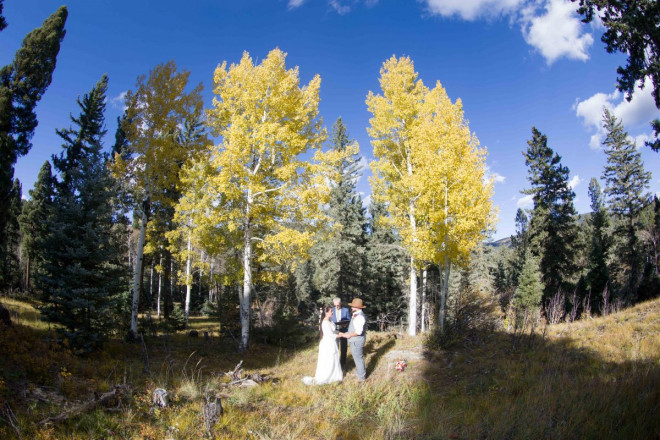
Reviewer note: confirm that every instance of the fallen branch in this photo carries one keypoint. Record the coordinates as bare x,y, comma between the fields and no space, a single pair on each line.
118,391
236,373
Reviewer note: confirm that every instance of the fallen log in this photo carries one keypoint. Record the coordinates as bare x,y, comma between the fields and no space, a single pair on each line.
117,392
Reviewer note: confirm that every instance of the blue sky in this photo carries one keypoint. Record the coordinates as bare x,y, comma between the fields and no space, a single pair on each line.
514,64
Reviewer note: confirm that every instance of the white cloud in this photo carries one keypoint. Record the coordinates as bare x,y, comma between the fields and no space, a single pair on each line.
575,181
557,33
293,4
635,114
471,9
526,202
340,8
552,27
497,177
119,101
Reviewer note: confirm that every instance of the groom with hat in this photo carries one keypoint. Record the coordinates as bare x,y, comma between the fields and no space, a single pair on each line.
357,335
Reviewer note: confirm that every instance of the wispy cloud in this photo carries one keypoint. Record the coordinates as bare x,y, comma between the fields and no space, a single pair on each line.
293,4
340,7
497,177
471,9
119,101
635,114
526,201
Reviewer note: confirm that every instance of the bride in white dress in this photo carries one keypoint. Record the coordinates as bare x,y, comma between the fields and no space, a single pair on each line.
328,369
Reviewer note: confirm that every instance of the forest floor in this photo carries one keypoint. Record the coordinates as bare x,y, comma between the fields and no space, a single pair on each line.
595,378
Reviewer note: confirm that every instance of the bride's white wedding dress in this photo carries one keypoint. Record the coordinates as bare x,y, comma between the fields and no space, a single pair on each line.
328,369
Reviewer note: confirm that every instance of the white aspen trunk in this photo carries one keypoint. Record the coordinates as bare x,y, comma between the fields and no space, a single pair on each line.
201,273
151,288
188,279
211,284
424,299
136,275
412,302
244,297
412,308
443,295
446,269
160,287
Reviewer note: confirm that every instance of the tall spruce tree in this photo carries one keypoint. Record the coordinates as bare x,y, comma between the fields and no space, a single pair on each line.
553,229
340,260
626,189
22,84
520,244
34,220
386,270
597,271
9,248
82,272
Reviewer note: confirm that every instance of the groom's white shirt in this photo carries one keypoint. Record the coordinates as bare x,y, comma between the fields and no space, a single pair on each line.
358,322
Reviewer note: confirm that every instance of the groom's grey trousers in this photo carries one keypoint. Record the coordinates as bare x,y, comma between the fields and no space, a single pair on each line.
357,351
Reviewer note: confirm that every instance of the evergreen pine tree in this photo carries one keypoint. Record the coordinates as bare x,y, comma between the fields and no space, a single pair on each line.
340,261
82,272
34,219
597,271
626,185
520,244
22,84
386,270
529,292
553,229
10,271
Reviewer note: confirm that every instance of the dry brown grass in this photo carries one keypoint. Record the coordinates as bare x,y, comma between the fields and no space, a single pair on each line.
596,378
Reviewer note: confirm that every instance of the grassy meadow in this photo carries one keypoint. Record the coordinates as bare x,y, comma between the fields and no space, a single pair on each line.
591,379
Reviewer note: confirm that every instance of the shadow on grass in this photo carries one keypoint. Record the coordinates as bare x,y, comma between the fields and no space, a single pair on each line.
374,350
503,387
378,353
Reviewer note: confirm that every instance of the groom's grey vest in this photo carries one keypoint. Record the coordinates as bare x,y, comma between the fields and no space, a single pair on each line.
361,338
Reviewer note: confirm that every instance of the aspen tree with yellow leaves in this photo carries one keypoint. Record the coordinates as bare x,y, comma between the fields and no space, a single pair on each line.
265,184
151,160
430,172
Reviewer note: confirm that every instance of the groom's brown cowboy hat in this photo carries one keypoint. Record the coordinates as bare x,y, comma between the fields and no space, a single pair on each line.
357,303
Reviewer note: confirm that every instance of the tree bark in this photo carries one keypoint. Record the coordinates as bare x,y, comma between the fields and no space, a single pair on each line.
424,299
137,274
443,295
244,296
412,301
160,286
188,279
